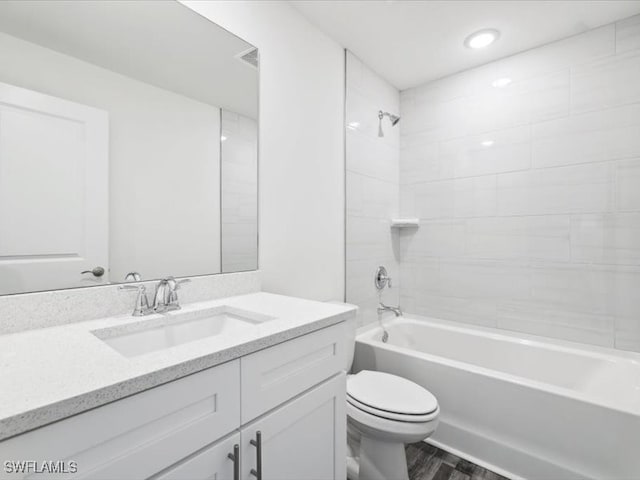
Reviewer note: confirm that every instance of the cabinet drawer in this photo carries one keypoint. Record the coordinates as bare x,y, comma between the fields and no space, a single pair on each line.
277,374
211,463
139,435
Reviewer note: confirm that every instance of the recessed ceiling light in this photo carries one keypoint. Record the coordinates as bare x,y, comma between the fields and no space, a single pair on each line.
486,143
501,82
481,38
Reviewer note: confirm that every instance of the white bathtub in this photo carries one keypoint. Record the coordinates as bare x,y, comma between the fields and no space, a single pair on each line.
524,406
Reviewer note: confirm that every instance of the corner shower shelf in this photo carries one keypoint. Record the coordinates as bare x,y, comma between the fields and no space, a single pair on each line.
405,223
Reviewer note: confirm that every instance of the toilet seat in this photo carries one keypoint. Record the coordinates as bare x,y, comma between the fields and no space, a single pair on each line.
391,397
398,417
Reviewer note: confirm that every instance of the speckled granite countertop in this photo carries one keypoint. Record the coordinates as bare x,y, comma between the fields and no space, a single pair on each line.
53,373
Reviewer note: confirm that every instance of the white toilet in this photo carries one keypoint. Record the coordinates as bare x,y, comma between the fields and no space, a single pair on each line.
384,412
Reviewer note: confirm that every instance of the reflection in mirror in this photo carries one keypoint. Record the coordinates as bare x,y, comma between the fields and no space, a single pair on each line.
112,164
239,192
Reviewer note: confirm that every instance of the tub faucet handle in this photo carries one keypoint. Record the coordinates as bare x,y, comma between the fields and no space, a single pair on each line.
382,278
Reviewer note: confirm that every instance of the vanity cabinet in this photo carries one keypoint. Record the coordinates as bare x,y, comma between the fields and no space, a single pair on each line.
140,435
303,440
292,393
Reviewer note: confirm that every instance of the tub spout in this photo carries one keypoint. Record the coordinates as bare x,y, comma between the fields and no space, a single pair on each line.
387,308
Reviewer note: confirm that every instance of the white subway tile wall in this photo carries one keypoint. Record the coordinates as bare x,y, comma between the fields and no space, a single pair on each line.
373,182
528,195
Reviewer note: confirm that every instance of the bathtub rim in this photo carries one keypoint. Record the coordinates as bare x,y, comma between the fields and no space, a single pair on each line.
367,333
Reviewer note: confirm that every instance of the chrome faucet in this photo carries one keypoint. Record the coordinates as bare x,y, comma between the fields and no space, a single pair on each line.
387,308
166,296
164,300
142,303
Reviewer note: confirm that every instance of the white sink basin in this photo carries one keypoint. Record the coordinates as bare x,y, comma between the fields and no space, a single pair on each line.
178,328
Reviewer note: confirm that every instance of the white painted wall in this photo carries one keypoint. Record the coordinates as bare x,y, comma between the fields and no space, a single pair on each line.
372,188
539,231
155,134
301,146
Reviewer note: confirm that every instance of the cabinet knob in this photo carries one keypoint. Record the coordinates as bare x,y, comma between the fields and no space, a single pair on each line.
235,457
257,472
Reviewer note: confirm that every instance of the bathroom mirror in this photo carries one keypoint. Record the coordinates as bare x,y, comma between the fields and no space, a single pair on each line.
128,144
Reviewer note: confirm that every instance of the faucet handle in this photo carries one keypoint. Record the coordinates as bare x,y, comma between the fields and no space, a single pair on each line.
133,277
142,302
382,278
174,286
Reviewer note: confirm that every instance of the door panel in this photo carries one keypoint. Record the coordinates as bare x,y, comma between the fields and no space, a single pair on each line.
212,463
53,191
304,439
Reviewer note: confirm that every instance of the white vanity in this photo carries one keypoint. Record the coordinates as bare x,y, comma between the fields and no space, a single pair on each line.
266,401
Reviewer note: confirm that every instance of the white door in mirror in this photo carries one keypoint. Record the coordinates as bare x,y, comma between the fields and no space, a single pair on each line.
53,191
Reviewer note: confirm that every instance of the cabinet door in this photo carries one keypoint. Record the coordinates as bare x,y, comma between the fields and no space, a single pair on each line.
305,439
211,463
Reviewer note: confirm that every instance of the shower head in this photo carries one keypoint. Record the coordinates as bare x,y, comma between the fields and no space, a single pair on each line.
394,119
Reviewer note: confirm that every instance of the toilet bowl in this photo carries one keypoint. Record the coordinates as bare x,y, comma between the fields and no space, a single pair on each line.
384,412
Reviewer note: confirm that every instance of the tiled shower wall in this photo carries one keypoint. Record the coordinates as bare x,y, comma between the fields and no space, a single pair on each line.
528,195
372,187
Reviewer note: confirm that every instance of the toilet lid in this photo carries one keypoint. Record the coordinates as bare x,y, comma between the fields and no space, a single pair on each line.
390,393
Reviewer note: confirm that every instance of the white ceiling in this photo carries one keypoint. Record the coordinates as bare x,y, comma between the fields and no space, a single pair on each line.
411,42
161,43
